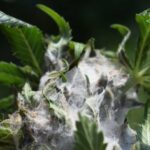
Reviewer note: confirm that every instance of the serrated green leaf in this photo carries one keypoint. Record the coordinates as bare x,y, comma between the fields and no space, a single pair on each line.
26,40
64,27
7,102
27,45
11,74
87,137
16,75
143,20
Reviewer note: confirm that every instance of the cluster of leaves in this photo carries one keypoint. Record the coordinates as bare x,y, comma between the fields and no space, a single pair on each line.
28,45
138,66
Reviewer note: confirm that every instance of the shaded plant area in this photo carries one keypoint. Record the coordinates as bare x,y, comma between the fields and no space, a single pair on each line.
67,95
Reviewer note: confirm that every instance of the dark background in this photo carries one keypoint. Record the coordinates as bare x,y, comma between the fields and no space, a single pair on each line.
87,18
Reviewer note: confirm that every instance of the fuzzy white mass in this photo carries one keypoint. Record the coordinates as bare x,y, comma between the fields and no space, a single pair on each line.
93,89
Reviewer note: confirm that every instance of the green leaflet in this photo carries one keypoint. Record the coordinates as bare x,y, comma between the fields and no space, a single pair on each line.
87,137
30,75
11,74
77,48
9,79
10,68
27,45
6,102
27,95
125,32
59,112
109,54
26,40
122,29
143,20
139,66
64,27
142,63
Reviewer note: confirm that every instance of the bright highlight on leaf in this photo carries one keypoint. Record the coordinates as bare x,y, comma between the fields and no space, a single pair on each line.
11,21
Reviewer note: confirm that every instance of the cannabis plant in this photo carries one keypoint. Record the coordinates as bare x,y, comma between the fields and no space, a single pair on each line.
68,95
